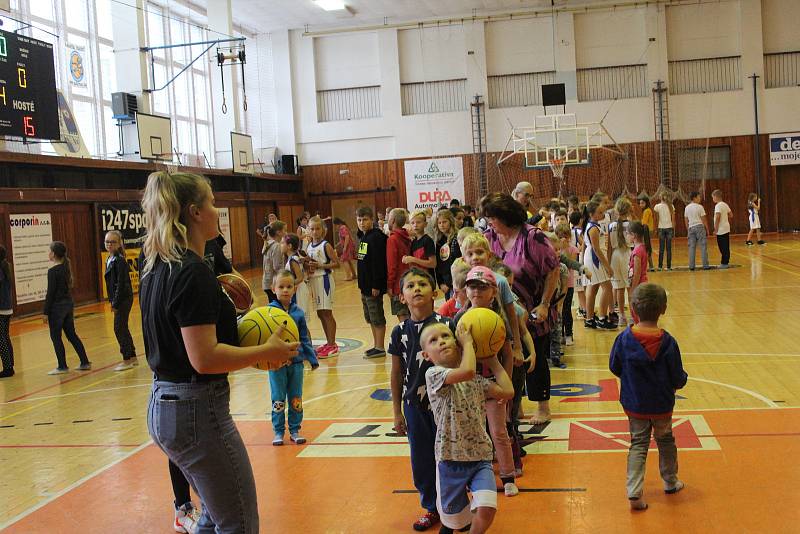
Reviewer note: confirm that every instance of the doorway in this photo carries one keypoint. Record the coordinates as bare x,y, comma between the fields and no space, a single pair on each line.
788,181
345,209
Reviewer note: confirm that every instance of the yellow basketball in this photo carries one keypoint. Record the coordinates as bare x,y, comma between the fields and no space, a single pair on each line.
488,331
258,324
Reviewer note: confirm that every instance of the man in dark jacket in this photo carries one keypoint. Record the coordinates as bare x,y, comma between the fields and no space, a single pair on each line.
372,277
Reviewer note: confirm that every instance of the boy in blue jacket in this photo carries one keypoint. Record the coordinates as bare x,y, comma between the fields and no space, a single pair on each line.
286,383
648,362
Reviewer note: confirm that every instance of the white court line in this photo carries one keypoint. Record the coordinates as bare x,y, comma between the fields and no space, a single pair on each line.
343,391
758,396
72,486
33,399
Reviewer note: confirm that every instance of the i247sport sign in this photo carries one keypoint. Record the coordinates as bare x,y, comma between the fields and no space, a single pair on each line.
432,182
784,149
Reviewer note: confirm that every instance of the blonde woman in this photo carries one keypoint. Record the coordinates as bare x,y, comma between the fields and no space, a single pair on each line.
190,339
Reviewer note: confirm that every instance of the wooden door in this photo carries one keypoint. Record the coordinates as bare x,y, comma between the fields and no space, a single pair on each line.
345,209
788,179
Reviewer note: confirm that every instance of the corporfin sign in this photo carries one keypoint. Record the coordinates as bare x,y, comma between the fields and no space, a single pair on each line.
784,149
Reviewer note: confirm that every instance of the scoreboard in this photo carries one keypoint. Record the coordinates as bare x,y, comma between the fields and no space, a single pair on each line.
28,102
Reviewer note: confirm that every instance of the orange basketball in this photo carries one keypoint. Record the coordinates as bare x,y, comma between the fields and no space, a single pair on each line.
238,290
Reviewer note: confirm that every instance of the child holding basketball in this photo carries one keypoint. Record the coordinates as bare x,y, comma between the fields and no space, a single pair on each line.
412,409
286,383
463,450
753,207
322,259
481,289
648,362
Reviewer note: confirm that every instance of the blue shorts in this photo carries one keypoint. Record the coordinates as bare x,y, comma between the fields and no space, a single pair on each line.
453,479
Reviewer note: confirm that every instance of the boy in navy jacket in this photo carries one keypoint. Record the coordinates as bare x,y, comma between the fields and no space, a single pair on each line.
648,362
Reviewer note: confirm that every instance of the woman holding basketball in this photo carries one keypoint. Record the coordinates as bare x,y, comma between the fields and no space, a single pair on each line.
529,255
191,344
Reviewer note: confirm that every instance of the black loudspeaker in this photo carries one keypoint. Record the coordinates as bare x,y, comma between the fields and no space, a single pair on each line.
288,164
124,106
554,94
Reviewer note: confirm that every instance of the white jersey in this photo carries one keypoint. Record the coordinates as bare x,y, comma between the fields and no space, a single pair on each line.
316,251
612,234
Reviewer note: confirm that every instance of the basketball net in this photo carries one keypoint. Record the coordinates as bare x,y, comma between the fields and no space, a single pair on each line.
557,166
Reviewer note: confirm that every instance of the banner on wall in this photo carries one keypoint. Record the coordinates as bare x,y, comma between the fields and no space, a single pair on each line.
76,65
128,218
431,182
31,235
225,226
71,143
784,149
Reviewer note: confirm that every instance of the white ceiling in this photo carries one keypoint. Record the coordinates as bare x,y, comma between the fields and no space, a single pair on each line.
264,16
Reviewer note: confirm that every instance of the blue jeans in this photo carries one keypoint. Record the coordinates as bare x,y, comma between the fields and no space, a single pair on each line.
421,430
665,242
62,318
286,384
192,424
697,236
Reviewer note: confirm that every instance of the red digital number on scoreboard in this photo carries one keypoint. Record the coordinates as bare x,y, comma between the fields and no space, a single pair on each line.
30,130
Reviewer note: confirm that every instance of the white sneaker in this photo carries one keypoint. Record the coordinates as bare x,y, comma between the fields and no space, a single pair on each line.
622,321
124,365
59,371
568,341
510,489
186,518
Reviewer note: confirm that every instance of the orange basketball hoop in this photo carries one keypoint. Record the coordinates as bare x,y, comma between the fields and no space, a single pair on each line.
557,166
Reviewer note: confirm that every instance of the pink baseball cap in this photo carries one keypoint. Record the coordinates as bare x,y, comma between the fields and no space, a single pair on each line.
483,275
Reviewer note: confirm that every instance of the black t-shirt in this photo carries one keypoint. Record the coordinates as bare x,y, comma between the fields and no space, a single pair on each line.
424,248
447,251
185,295
215,257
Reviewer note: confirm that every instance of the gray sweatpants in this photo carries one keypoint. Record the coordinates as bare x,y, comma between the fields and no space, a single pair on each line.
637,455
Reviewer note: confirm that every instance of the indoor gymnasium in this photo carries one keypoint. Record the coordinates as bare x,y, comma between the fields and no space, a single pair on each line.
349,266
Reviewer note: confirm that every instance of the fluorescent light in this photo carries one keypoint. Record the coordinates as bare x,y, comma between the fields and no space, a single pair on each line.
330,5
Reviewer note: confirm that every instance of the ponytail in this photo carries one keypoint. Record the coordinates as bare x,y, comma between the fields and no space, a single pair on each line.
59,250
164,202
623,207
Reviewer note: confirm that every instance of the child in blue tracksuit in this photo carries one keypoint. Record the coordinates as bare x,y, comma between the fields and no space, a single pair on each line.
286,383
648,362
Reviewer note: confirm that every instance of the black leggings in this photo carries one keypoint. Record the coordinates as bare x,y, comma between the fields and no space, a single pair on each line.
61,318
538,382
121,330
180,486
6,348
566,312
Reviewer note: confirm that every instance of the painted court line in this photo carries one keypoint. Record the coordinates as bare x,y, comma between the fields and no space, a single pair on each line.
72,486
62,382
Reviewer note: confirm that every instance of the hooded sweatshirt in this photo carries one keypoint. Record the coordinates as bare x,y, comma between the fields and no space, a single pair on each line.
372,261
398,245
648,378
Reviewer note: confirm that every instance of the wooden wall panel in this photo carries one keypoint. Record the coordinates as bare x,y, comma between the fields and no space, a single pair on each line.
240,239
606,172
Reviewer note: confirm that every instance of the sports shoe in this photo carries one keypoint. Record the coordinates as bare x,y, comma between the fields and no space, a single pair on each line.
590,323
297,438
374,353
322,351
605,324
675,489
510,489
638,504
124,365
85,366
517,472
277,441
748,243
59,371
762,242
556,362
568,341
333,350
426,521
186,518
581,313
623,321
613,317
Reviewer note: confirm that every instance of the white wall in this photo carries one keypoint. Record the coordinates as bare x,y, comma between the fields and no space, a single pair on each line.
780,20
477,49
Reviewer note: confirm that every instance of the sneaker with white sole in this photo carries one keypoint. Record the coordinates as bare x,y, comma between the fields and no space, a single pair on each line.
186,518
277,440
124,365
297,438
674,489
333,350
568,341
59,371
85,366
510,489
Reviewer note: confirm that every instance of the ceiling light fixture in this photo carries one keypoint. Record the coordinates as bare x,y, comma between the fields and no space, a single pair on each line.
331,5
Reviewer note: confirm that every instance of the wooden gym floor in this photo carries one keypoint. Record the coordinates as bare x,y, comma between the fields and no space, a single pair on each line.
76,456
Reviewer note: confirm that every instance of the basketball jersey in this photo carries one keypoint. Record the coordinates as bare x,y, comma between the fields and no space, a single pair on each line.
603,225
296,259
612,235
589,251
576,237
316,251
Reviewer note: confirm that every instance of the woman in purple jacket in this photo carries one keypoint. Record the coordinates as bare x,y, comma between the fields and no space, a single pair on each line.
529,255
